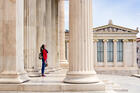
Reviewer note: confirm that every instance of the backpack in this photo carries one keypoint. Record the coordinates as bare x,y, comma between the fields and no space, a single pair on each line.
40,56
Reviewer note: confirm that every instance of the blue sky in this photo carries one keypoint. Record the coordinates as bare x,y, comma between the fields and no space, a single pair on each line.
122,12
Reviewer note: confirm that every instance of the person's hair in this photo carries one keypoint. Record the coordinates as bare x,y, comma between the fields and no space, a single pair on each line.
42,47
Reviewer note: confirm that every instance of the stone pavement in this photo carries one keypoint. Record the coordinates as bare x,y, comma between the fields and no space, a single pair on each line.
120,84
125,82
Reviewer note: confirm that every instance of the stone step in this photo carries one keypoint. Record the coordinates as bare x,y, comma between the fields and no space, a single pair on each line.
52,87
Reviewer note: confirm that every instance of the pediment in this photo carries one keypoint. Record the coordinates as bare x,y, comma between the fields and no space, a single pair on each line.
110,28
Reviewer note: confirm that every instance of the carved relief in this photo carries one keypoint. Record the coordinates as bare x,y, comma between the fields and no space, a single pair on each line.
113,28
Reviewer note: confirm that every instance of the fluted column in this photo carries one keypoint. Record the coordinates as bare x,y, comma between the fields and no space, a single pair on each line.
26,9
49,21
54,56
31,37
115,52
81,65
40,18
68,51
95,52
125,52
134,53
67,47
61,19
49,32
12,42
105,52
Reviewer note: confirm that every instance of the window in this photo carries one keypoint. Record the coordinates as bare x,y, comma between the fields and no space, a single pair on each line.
100,51
120,50
110,50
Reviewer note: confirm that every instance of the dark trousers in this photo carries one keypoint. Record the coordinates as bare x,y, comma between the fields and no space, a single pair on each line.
43,66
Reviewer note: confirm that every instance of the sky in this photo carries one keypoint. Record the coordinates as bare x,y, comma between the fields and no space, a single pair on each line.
122,12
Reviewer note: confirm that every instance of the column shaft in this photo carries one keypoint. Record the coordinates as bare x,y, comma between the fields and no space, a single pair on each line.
81,65
115,52
25,32
41,9
49,32
31,37
54,64
12,42
105,53
68,51
134,53
124,52
61,19
95,53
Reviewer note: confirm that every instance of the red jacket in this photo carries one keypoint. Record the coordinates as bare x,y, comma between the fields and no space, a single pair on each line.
44,54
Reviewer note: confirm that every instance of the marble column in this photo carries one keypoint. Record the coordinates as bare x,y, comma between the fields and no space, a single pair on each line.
81,65
49,34
41,27
125,52
105,52
30,39
68,51
26,9
54,56
134,53
115,52
95,52
12,42
61,18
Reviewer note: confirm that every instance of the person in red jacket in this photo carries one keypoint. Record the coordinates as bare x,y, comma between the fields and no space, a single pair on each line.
44,53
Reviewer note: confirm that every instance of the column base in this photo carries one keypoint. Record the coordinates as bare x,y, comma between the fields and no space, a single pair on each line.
81,78
8,78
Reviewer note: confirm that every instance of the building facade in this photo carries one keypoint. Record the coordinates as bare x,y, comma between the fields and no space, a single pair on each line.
114,49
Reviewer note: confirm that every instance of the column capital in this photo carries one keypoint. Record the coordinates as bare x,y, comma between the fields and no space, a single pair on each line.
105,40
115,40
125,40
95,40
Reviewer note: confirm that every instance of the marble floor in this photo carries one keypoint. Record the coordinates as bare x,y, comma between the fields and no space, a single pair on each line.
120,84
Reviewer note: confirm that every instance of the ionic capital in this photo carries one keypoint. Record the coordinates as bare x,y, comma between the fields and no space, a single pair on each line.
115,40
105,40
95,40
125,40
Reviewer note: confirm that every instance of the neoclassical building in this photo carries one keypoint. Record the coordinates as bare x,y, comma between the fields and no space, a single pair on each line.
114,49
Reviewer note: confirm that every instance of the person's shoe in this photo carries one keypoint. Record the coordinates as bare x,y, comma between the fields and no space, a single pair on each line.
43,76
